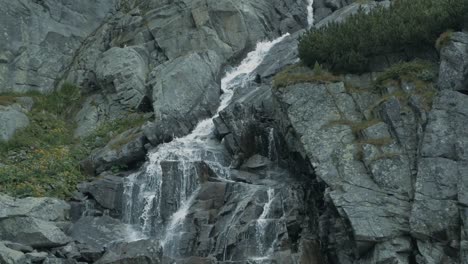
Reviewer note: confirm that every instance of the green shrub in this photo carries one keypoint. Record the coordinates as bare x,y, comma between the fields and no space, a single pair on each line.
43,159
404,25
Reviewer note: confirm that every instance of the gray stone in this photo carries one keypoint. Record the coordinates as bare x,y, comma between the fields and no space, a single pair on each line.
36,257
49,209
257,161
227,28
10,256
453,71
51,31
107,191
96,110
186,90
281,55
98,232
139,252
18,247
435,219
11,120
341,14
32,232
123,71
367,197
123,150
54,260
70,251
446,127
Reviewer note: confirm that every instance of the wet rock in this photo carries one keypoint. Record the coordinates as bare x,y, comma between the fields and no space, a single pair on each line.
453,71
281,55
32,232
138,252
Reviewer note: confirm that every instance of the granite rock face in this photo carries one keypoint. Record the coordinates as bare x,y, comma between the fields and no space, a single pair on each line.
453,74
40,38
303,174
33,232
163,36
48,209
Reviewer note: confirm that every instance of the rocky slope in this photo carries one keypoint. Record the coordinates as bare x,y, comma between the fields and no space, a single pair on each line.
323,171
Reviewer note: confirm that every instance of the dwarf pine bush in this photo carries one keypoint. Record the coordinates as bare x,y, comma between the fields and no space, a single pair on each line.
348,46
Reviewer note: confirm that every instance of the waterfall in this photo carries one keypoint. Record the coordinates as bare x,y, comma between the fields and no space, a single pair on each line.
262,224
159,197
310,13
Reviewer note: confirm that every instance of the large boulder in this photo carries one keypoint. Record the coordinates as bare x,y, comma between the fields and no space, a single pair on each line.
40,38
12,119
10,256
453,72
124,150
48,209
145,251
122,71
98,232
185,91
32,232
107,191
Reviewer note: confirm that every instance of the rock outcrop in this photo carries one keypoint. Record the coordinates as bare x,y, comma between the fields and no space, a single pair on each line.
453,73
40,38
12,119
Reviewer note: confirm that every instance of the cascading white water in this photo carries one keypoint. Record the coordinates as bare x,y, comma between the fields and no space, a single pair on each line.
310,13
146,194
143,192
262,223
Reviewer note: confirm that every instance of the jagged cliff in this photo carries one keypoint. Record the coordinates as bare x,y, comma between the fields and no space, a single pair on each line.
241,159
